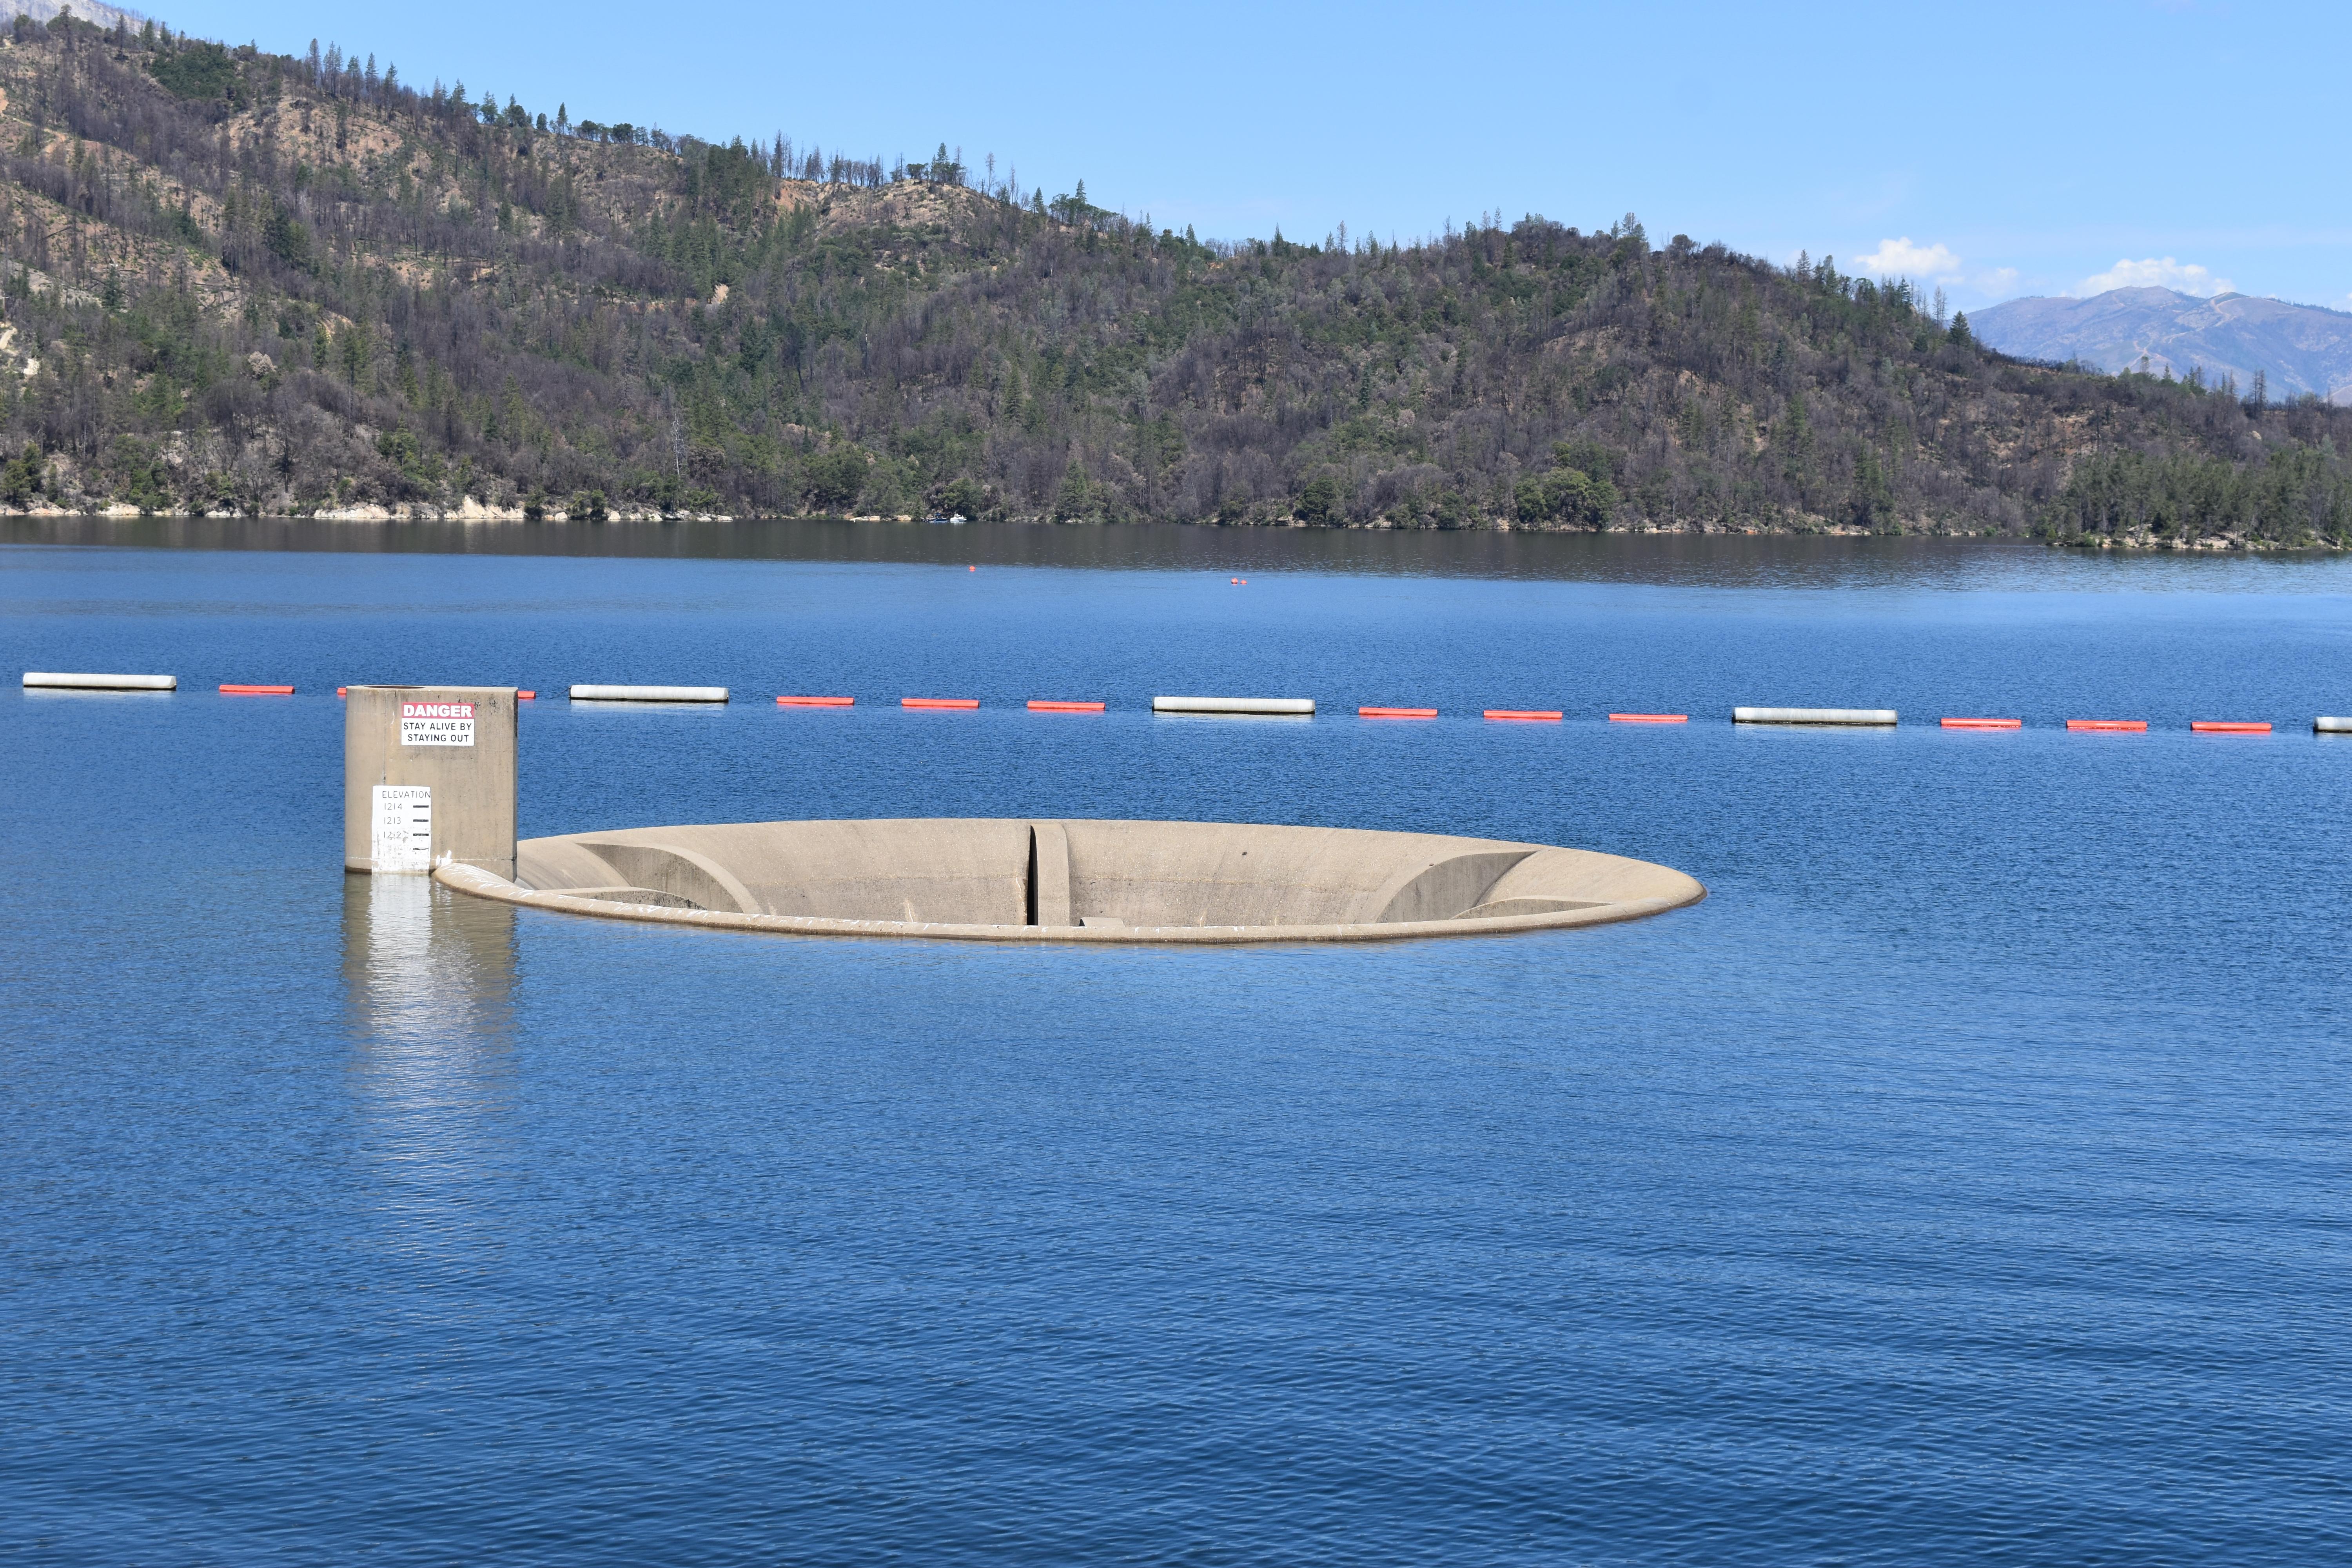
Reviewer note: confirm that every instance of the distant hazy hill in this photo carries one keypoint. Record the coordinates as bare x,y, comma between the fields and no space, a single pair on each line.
88,10
2299,348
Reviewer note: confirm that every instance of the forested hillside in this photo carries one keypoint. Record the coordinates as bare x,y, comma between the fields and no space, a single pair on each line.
243,282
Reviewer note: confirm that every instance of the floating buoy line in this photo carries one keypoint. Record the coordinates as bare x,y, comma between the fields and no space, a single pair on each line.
1243,707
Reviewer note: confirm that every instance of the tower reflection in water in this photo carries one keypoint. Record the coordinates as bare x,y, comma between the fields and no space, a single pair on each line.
429,978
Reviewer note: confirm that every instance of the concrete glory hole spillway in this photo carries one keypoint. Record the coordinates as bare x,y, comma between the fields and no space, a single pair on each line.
1011,879
430,787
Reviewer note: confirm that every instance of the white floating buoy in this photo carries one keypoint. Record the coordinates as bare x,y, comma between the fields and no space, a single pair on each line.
102,682
2327,726
1232,705
648,694
1812,715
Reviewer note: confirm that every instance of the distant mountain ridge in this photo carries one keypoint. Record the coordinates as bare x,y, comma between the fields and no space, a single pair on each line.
2297,348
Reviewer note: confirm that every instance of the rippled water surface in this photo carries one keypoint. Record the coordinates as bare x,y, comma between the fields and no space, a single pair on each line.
1966,1181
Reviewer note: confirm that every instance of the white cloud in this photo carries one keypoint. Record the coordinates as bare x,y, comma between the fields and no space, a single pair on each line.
1999,280
2154,273
1901,258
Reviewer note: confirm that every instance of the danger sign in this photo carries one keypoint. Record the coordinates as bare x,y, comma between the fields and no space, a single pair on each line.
436,723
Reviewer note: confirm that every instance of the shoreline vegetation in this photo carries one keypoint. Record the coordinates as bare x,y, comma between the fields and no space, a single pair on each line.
235,283
478,515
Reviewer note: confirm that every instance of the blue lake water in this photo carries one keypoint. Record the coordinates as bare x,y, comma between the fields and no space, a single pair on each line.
1965,1181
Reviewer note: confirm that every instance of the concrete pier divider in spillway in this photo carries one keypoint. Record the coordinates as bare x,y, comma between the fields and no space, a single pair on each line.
1264,706
1010,880
1857,716
648,694
52,681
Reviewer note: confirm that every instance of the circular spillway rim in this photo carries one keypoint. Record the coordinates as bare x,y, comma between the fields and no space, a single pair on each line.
488,885
1603,889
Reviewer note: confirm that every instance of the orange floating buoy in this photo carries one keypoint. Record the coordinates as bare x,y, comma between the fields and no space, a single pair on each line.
938,702
1542,714
2226,727
1984,723
971,568
340,691
234,689
817,702
2133,725
1649,718
1038,705
1396,712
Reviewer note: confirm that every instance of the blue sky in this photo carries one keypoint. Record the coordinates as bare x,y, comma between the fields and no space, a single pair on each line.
1998,149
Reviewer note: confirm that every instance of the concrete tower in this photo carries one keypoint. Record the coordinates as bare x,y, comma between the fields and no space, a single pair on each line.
429,778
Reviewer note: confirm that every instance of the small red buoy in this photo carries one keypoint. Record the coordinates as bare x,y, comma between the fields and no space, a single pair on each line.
971,568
